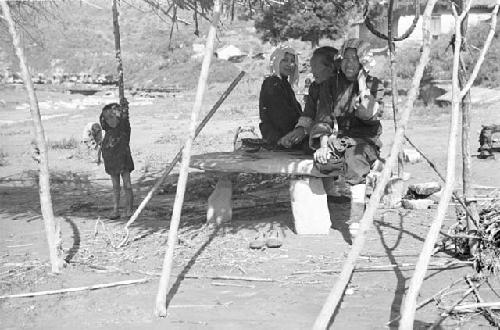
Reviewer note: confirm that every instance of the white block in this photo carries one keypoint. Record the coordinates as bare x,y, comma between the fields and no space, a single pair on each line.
220,207
309,206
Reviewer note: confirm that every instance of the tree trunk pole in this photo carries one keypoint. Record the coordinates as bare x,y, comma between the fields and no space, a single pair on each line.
52,227
466,119
410,301
118,53
394,80
337,292
161,297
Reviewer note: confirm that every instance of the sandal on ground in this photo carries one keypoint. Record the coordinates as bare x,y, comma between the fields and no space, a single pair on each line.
274,240
258,243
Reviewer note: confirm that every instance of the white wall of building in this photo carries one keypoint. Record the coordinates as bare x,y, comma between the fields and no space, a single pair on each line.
442,24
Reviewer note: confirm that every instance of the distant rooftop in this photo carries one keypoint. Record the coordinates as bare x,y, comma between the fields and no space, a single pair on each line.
476,4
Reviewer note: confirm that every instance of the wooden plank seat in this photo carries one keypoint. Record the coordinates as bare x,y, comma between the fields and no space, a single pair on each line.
308,196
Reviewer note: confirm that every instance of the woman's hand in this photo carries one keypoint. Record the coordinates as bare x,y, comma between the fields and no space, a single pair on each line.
322,155
294,137
297,135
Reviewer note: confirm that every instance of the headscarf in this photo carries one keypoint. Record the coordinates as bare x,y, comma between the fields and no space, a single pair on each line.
275,59
111,106
363,50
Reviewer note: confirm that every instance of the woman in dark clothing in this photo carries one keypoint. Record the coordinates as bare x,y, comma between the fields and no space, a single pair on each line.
116,153
350,131
324,65
279,110
356,99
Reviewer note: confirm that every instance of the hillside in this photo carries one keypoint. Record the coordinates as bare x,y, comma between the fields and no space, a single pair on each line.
81,40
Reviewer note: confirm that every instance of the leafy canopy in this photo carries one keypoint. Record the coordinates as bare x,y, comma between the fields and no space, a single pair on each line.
308,20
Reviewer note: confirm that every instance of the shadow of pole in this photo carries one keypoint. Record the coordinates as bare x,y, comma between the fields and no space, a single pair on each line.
175,287
401,280
403,231
76,240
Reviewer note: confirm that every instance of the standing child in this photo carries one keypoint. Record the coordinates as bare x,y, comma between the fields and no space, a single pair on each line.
116,153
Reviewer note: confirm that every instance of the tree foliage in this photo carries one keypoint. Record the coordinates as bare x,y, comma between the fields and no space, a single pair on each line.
308,20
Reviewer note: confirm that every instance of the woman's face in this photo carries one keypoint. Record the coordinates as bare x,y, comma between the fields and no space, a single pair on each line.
320,70
287,65
111,118
350,64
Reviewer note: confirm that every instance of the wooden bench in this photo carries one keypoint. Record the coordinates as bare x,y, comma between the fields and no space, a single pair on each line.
308,196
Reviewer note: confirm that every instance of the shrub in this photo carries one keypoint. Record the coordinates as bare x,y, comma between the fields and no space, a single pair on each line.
70,143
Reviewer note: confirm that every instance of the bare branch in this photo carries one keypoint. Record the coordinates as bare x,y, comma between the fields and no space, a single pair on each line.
482,55
466,10
405,35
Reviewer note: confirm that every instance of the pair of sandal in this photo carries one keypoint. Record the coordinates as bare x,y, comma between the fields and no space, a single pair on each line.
272,241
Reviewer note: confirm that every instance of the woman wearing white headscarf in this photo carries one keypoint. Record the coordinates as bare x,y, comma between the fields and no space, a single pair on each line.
279,110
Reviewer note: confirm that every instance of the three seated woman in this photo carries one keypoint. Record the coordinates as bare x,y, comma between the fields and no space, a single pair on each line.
340,123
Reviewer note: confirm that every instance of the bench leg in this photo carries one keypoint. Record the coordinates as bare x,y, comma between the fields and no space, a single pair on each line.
220,208
309,206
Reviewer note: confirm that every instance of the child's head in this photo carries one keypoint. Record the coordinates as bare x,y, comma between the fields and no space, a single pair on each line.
284,62
110,116
287,65
323,63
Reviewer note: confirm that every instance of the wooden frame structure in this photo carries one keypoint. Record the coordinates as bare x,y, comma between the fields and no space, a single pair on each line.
460,90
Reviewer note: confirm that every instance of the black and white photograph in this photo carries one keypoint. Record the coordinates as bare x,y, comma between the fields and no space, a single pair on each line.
250,164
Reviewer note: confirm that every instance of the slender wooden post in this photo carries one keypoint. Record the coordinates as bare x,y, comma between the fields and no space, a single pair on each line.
394,80
337,291
161,297
409,305
52,226
118,53
466,156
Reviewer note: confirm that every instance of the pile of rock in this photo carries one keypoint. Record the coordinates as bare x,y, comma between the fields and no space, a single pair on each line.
421,196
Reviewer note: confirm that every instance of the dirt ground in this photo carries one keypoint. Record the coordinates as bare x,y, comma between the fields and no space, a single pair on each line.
283,298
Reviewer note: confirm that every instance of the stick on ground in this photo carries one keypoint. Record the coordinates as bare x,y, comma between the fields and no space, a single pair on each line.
427,300
382,268
77,289
488,312
450,309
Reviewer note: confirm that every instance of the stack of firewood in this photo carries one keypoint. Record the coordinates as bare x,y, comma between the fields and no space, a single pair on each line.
485,247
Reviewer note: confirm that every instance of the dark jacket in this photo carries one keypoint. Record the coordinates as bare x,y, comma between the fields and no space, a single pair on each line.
319,101
279,110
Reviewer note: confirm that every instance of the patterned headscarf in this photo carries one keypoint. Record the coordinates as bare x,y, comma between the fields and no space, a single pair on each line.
363,50
275,59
